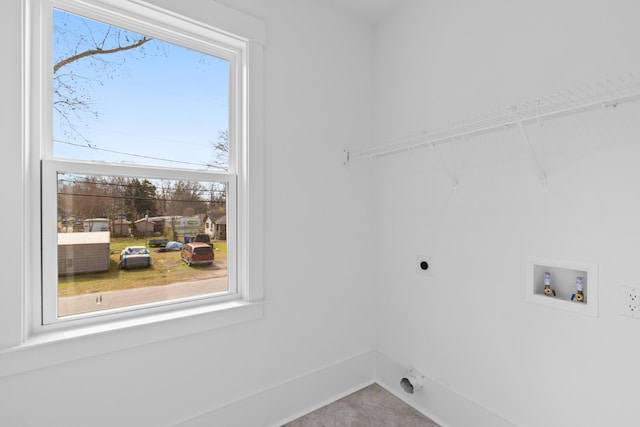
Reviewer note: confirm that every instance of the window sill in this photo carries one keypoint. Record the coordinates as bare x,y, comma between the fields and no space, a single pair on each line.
52,348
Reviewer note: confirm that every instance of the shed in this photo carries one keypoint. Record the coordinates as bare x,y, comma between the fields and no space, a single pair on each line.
96,224
121,227
145,227
83,252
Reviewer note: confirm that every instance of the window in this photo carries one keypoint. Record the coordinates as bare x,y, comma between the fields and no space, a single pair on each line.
103,222
138,146
127,100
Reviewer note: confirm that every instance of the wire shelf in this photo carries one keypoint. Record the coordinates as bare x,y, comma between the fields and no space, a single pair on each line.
600,95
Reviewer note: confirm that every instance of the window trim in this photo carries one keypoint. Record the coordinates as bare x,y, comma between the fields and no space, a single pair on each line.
24,351
211,43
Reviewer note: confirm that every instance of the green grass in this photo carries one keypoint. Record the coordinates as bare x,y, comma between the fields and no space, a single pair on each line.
166,268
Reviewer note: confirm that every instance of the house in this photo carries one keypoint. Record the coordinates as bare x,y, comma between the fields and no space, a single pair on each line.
83,252
219,226
352,307
215,226
207,223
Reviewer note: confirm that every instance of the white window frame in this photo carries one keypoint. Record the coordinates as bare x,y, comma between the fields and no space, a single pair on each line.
48,298
179,24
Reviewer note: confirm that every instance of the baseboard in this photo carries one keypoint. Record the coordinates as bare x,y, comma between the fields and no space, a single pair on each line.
287,401
281,403
443,405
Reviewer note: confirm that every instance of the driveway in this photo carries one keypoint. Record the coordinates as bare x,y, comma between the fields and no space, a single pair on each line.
128,297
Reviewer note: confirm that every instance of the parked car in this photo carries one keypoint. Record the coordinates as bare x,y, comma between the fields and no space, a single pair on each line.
203,238
197,253
171,246
157,243
135,257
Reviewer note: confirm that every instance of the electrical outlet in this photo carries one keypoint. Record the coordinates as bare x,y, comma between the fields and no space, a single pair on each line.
631,302
424,265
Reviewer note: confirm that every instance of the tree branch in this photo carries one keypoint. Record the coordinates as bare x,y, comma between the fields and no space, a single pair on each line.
98,51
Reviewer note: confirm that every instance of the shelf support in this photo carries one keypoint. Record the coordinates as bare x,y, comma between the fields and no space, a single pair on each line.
346,154
541,174
452,177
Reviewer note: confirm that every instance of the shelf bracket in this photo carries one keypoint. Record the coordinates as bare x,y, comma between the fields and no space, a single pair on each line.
541,175
346,157
453,179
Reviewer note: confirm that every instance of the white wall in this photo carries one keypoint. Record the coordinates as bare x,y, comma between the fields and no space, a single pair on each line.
319,309
10,122
468,327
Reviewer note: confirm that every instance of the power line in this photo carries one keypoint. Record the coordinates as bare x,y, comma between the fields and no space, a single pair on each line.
95,147
158,199
79,180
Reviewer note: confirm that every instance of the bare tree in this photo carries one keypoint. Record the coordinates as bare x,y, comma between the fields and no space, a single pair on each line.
106,50
76,40
188,198
83,197
221,151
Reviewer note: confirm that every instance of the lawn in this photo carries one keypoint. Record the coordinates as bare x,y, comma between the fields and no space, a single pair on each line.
166,268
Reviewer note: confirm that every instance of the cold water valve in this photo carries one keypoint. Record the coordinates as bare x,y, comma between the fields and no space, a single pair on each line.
579,295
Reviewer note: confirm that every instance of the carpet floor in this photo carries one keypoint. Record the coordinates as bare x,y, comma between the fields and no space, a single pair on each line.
372,406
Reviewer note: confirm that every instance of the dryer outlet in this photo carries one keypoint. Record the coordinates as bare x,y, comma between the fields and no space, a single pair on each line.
424,265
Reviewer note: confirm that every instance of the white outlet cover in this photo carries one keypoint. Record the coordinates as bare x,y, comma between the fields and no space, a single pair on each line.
429,261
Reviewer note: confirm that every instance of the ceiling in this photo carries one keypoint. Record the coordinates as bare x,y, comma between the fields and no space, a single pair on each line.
369,10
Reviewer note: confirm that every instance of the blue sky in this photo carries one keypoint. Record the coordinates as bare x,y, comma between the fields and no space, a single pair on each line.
160,101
